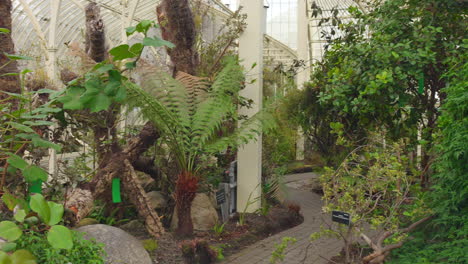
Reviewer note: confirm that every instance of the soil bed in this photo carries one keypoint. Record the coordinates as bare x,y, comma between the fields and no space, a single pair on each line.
233,238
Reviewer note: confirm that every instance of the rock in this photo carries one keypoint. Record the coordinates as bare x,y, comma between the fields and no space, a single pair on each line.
204,214
121,247
87,221
133,225
148,183
157,199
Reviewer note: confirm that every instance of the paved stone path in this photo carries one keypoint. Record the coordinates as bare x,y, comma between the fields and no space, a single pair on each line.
302,251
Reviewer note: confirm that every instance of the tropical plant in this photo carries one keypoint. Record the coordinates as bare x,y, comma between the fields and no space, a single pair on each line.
278,253
218,229
23,123
36,235
44,218
374,184
189,113
386,66
445,239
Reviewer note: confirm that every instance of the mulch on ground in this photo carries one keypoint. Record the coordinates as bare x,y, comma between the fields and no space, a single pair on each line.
233,238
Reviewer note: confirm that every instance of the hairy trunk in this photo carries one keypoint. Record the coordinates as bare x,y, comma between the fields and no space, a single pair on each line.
95,35
177,26
138,197
186,188
7,83
118,164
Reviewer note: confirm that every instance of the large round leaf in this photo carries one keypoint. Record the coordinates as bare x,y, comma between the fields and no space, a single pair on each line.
22,257
39,205
10,231
34,173
4,258
20,215
60,237
56,213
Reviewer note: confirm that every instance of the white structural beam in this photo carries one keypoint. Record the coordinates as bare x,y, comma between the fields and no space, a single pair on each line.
303,46
36,25
52,69
249,157
303,75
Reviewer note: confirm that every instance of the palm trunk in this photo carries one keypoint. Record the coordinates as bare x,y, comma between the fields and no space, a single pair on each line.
186,189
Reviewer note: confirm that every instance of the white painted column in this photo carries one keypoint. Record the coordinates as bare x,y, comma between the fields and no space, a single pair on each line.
249,157
52,70
303,42
303,75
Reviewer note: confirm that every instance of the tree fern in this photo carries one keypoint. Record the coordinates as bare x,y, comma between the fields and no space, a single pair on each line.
190,113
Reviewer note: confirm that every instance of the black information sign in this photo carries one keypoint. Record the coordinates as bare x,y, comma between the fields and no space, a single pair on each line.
220,196
341,217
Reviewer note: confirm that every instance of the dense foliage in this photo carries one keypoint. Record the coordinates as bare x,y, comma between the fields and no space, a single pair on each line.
400,68
445,240
385,68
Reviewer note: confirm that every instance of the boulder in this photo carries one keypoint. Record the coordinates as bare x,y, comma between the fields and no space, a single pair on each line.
157,200
87,221
204,214
133,225
121,247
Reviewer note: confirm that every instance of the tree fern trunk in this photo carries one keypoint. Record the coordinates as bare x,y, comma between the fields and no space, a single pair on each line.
186,188
7,83
177,26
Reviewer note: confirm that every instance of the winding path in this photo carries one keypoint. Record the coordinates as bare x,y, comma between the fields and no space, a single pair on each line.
302,251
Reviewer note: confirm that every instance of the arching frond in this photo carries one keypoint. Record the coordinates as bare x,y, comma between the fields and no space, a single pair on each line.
167,91
169,122
249,130
214,110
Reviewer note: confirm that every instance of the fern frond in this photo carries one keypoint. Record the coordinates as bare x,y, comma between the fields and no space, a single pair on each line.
213,111
196,87
168,91
249,130
167,121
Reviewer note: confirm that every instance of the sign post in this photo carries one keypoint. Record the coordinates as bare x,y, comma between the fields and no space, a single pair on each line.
341,217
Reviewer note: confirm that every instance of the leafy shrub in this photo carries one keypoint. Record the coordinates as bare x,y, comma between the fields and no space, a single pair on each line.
83,251
37,235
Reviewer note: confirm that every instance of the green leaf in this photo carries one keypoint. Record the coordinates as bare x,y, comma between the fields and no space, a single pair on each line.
99,102
38,123
60,237
9,200
71,100
121,94
121,52
4,30
8,247
143,26
20,127
56,213
130,65
20,215
39,205
39,142
17,162
4,258
157,42
22,256
34,173
136,48
130,30
10,231
102,68
17,57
